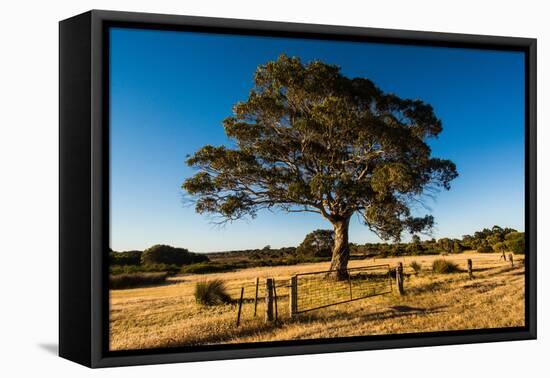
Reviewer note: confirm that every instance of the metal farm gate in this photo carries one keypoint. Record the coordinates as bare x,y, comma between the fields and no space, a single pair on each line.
303,292
316,290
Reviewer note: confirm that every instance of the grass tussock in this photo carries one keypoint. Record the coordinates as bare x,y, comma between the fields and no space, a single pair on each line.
211,293
131,280
442,266
416,267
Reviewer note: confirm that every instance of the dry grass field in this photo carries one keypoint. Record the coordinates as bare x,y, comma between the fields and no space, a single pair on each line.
168,316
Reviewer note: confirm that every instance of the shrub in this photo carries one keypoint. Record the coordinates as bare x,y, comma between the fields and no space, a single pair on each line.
122,269
414,249
444,266
484,249
130,280
203,268
515,242
416,267
165,254
499,247
211,293
457,247
125,258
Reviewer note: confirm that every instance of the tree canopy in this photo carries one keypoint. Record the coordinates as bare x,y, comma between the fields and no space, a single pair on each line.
317,243
166,254
309,139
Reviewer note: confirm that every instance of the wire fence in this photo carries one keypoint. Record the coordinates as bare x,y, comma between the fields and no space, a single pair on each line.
317,290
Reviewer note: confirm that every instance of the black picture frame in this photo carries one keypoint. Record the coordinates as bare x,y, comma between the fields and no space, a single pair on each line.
84,187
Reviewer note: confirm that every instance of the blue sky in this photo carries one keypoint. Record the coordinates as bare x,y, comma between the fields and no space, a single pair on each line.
170,92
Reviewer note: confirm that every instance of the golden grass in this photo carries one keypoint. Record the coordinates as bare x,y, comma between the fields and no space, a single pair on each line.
166,316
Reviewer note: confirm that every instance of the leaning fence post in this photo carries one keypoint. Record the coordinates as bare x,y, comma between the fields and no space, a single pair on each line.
470,273
256,295
293,300
240,306
269,300
399,278
511,259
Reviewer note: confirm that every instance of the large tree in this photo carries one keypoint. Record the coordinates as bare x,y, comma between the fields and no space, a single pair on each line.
309,139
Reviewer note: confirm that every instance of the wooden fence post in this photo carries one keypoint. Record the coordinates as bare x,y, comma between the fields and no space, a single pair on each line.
511,259
256,296
269,300
240,306
350,288
399,278
275,300
470,273
293,297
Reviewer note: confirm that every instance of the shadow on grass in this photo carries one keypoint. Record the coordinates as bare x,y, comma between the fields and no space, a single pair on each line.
393,312
483,286
246,329
479,270
499,271
256,326
432,286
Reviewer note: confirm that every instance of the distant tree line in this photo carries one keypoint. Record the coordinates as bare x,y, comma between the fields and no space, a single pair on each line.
317,246
495,239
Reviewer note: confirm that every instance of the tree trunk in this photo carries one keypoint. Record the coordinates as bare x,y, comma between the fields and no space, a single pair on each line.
340,251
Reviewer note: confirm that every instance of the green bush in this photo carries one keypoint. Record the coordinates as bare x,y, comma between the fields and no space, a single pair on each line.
515,242
416,267
125,258
130,280
457,247
211,293
500,247
443,266
165,254
484,249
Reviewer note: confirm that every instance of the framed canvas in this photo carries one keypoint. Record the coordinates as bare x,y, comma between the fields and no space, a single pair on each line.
235,188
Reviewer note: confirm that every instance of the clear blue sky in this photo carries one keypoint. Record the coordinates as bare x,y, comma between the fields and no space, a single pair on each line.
170,92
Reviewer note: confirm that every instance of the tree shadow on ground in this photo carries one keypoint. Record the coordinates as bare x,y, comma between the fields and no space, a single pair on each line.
432,286
498,271
483,286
